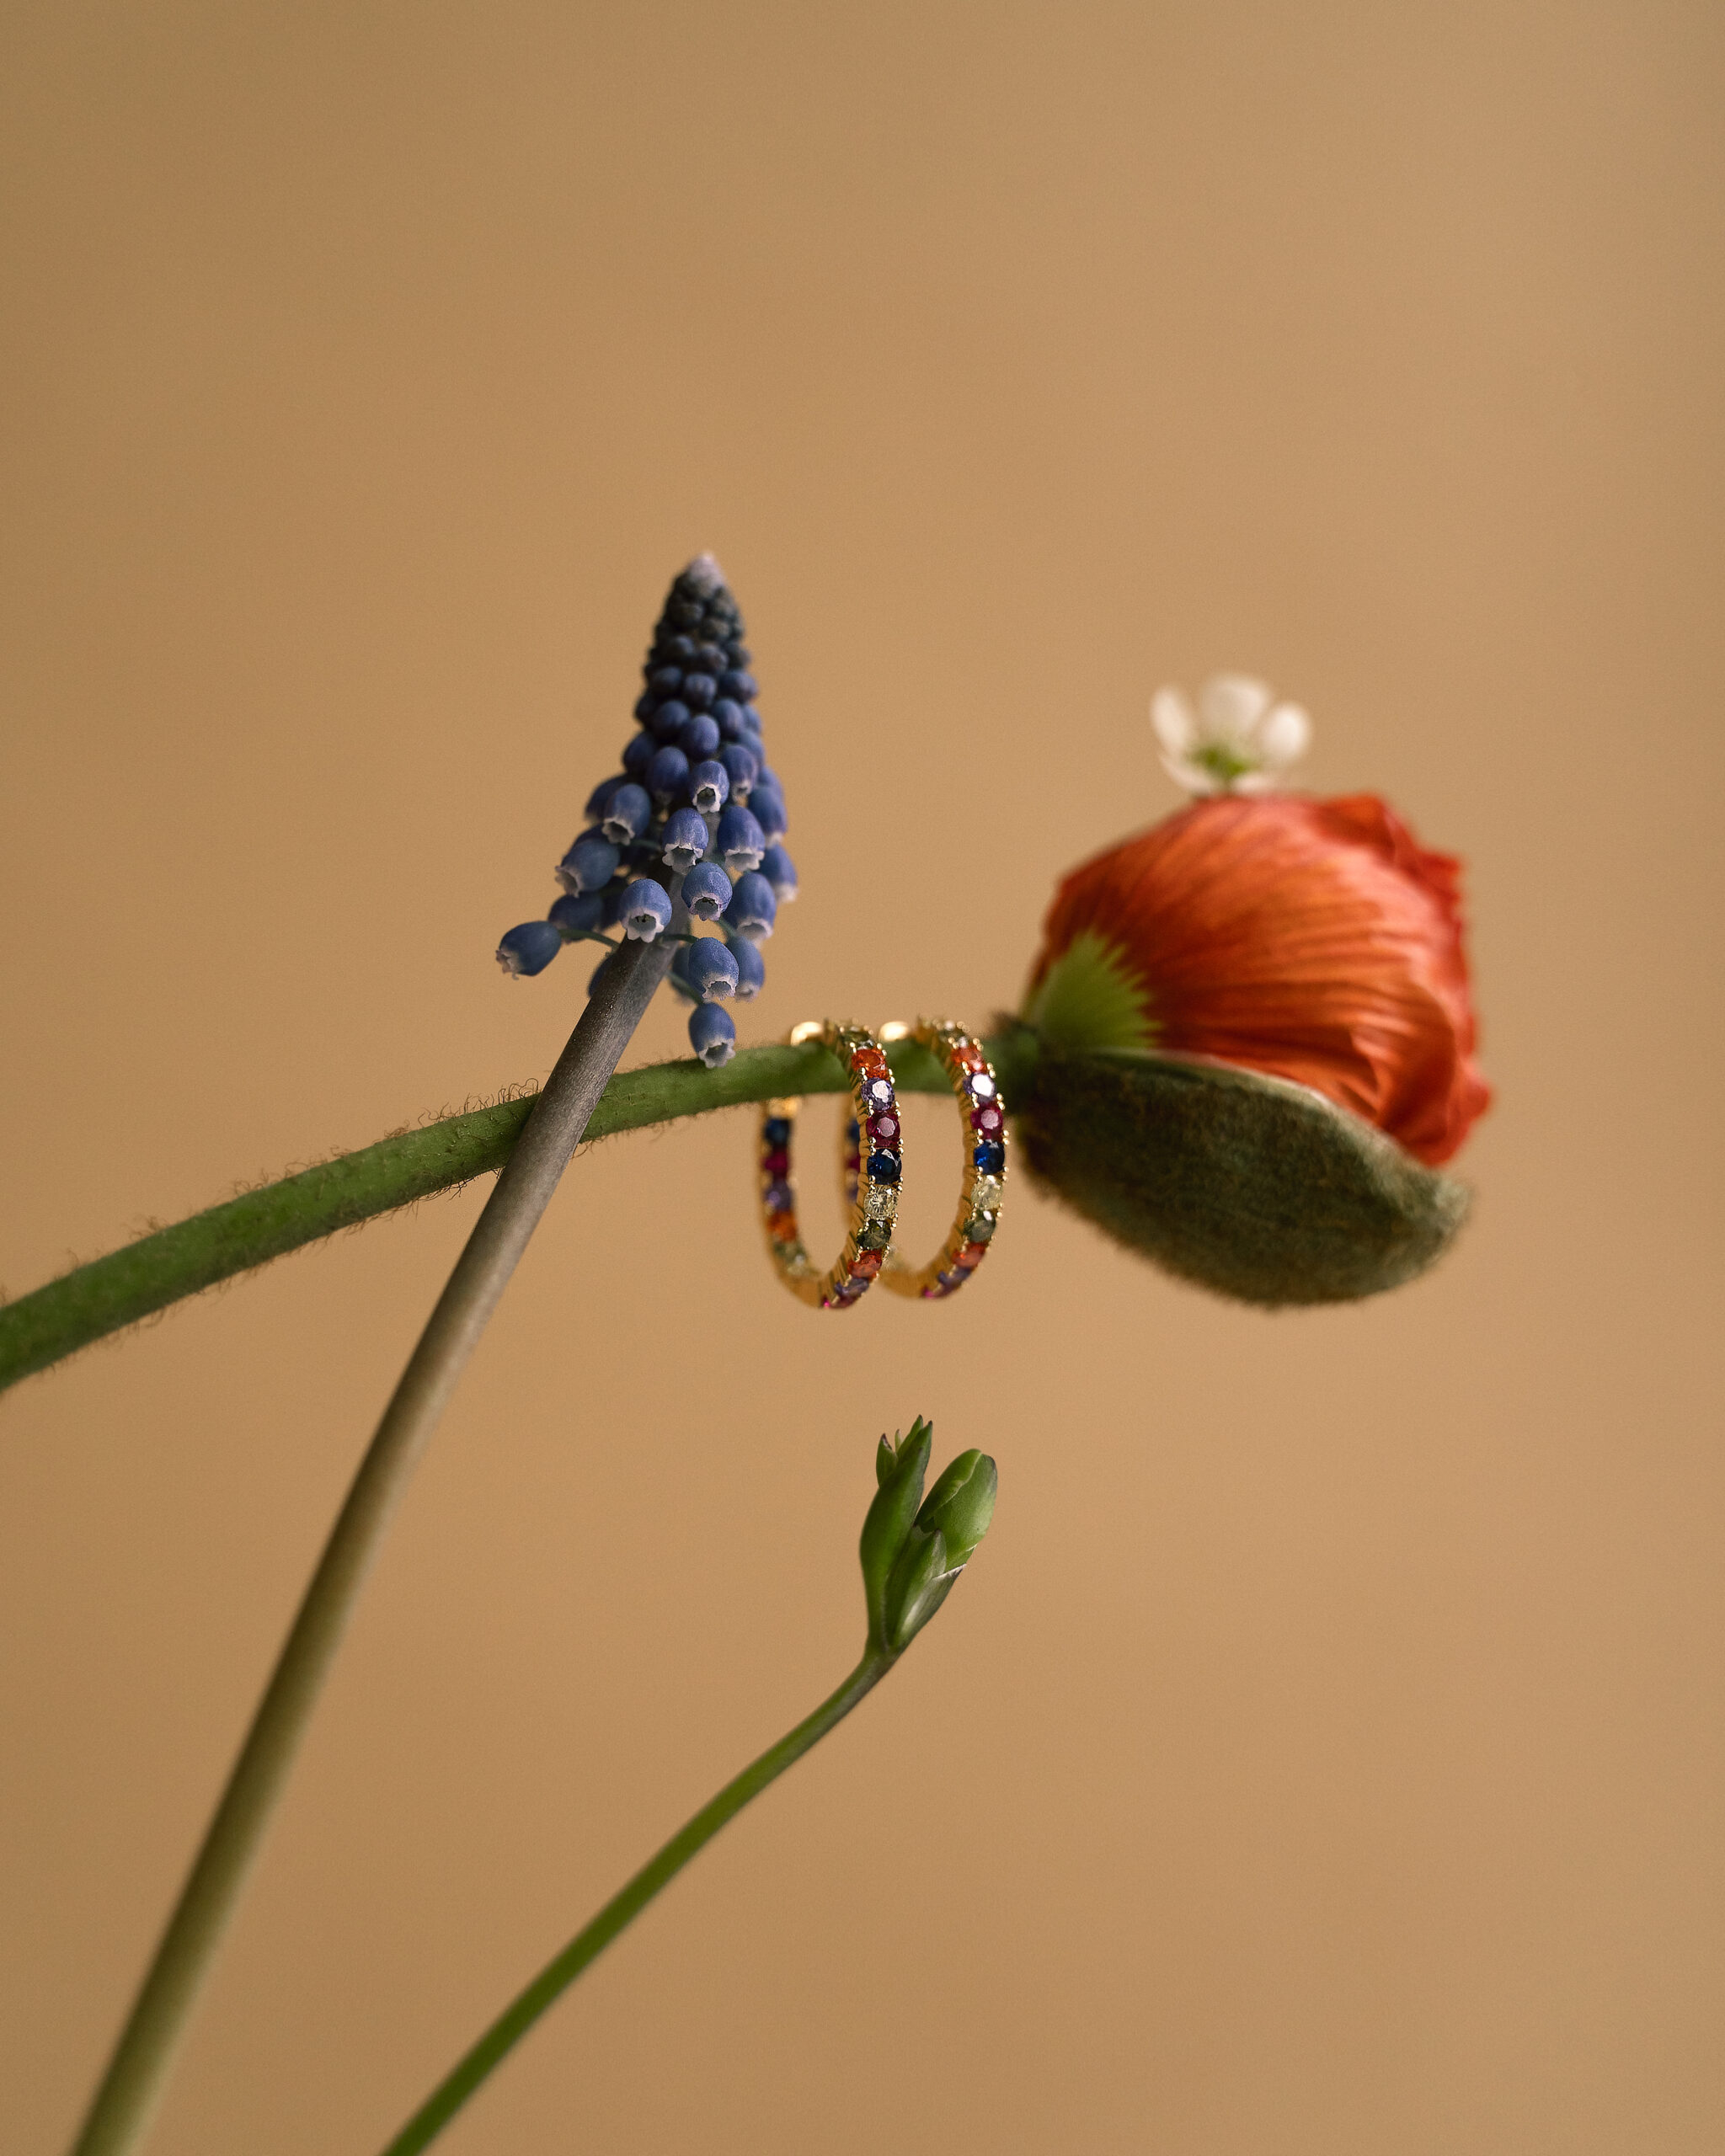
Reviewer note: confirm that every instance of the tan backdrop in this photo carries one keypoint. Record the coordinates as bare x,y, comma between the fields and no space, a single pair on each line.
1324,1757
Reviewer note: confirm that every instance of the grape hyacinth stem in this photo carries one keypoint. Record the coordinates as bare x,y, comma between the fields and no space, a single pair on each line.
123,2105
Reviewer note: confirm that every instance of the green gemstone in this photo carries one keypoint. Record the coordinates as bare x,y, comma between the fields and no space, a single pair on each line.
877,1235
980,1227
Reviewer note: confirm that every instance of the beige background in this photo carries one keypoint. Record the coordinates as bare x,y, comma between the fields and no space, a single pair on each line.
1324,1758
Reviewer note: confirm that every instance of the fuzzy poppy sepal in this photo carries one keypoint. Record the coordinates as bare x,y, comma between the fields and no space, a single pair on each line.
1251,1186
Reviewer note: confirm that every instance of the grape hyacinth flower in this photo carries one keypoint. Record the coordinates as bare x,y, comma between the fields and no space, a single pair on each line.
678,836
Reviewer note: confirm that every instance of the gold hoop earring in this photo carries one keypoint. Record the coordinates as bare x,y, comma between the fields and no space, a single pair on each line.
982,1115
873,1183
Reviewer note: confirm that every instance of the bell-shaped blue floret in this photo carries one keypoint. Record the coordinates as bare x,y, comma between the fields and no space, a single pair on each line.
712,1034
667,722
646,911
678,976
668,774
781,871
768,804
684,840
710,970
638,756
698,690
753,907
751,966
706,889
628,813
599,800
709,786
730,717
530,948
740,841
589,865
743,765
698,736
577,916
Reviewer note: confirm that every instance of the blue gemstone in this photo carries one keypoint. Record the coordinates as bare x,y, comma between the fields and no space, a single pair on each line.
884,1167
777,1130
989,1158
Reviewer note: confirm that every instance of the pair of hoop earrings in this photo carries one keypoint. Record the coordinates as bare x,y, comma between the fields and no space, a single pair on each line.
871,1162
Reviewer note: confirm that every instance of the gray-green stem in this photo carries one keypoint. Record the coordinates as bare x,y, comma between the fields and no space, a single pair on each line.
558,1973
120,2113
53,1322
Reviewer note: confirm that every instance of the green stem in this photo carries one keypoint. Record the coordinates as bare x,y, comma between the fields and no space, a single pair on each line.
588,1944
56,1321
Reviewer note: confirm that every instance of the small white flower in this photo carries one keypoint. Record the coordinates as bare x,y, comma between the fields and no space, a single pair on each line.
1240,740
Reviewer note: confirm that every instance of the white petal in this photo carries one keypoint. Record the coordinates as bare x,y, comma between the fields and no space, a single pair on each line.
1283,737
1170,716
1194,777
1230,705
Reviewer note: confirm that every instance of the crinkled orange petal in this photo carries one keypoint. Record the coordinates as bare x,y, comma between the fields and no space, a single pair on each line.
1313,940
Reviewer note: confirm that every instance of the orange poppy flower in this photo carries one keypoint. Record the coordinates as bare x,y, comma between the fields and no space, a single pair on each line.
1315,940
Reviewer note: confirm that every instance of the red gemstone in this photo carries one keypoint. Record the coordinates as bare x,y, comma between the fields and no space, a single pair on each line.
866,1264
778,1162
869,1059
987,1120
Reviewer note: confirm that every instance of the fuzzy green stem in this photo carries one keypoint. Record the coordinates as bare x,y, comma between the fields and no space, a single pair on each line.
588,1944
56,1321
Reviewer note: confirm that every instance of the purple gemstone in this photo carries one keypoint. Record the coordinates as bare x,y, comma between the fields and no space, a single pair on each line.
778,1196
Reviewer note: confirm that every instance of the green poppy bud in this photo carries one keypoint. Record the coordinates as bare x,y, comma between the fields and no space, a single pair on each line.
1241,1182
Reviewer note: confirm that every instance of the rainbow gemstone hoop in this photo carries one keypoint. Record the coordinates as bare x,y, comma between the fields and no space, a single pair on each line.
982,1119
871,1182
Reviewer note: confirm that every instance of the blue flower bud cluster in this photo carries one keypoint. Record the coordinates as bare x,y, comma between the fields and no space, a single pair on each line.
696,813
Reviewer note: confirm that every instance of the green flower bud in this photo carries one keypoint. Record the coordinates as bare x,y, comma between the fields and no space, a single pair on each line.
961,1505
921,1581
899,1470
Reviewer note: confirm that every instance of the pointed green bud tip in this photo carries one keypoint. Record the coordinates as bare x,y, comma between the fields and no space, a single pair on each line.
961,1505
